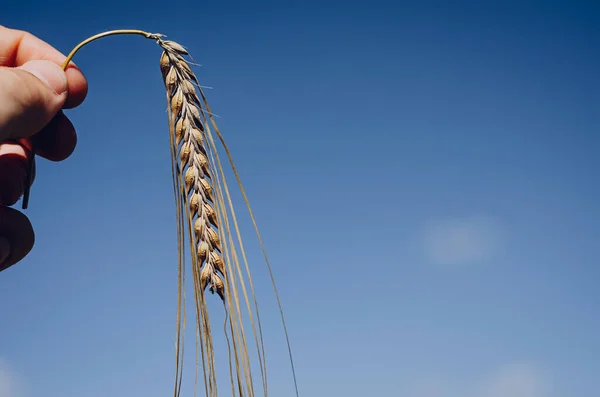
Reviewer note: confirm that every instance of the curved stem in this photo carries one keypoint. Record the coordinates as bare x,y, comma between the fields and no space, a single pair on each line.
154,36
104,34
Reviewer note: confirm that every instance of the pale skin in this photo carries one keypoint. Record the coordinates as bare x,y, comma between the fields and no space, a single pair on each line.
33,91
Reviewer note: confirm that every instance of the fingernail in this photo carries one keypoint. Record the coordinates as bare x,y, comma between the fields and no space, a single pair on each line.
50,73
4,250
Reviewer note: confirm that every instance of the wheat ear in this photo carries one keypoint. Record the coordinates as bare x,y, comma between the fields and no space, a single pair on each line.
197,197
205,214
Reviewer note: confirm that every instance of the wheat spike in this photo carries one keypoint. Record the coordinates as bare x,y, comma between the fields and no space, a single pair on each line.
190,142
203,208
205,214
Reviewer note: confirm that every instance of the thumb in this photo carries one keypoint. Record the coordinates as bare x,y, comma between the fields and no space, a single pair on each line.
30,96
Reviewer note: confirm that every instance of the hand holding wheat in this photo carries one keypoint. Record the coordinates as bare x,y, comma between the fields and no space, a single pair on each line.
206,220
32,94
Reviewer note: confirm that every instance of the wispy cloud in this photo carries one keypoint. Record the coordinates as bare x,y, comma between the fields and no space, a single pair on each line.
516,380
5,380
8,382
513,380
460,241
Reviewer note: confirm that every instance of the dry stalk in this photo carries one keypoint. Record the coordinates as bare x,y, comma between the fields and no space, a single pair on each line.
205,210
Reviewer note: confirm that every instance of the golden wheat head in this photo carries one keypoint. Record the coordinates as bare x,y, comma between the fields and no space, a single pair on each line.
190,146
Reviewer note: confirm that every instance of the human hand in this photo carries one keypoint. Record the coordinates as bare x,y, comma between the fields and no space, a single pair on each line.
33,91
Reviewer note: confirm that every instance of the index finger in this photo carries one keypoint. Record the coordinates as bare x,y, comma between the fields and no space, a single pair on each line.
18,47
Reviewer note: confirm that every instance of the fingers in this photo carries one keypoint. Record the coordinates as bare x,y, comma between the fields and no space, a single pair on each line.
57,140
30,96
16,237
33,90
13,173
18,47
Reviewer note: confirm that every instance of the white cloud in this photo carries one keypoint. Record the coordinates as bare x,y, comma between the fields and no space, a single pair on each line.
8,381
517,380
513,380
5,380
461,241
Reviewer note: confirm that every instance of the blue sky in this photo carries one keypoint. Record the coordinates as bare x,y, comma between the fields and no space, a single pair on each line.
425,177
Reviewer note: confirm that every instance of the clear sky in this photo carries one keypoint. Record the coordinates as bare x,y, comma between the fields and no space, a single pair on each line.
425,176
